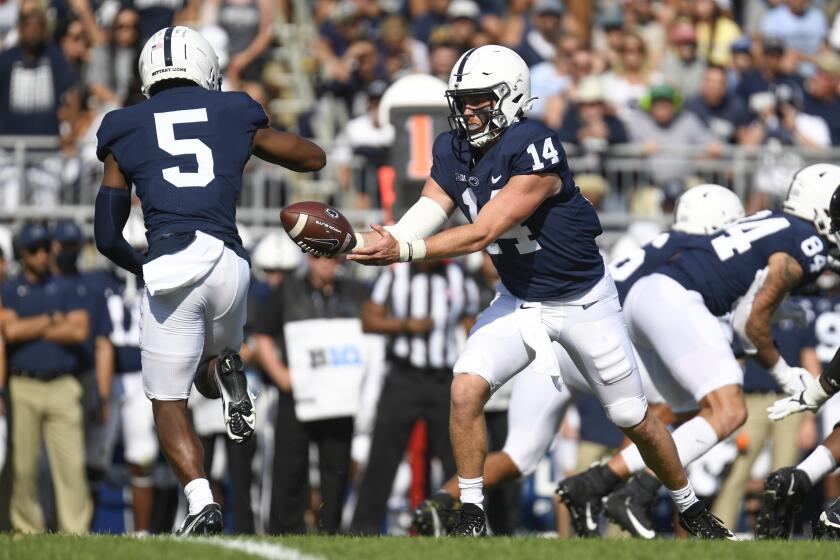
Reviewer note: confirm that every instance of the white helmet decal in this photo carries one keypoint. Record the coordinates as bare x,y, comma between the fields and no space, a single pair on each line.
179,53
497,72
705,209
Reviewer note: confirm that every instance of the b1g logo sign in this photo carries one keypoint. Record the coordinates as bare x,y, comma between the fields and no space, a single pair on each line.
327,360
335,356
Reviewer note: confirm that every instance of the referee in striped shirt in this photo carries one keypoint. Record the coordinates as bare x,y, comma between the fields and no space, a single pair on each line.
422,306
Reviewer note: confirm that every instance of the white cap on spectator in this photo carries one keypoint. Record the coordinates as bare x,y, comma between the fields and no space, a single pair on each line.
724,5
463,9
590,90
344,10
218,39
276,251
548,7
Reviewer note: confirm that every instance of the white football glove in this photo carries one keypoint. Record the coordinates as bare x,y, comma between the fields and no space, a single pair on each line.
811,398
793,380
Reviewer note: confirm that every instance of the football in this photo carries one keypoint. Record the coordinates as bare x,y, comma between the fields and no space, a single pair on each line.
318,229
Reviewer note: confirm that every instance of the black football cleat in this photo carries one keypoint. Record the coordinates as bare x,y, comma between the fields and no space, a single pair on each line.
700,522
785,491
237,403
471,523
435,516
582,494
628,506
206,522
829,523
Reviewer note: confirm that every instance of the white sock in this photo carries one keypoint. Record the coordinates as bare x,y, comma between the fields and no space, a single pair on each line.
684,498
818,464
632,458
693,439
198,494
472,490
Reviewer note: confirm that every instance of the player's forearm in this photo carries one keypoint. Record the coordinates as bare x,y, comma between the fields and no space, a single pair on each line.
104,354
458,241
111,212
288,150
758,331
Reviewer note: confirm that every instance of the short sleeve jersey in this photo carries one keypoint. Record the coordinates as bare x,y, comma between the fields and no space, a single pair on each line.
184,149
552,254
647,259
723,267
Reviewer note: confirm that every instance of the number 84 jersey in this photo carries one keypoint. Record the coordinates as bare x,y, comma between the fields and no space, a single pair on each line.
723,267
552,254
184,150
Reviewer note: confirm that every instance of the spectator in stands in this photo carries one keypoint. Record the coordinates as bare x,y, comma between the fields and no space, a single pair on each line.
44,324
36,81
770,73
822,93
403,54
421,307
114,64
360,65
442,57
803,29
640,18
66,12
552,79
627,83
537,43
724,113
463,17
434,16
588,122
323,294
608,35
157,14
742,62
681,66
344,27
715,30
780,119
76,47
662,125
365,139
248,27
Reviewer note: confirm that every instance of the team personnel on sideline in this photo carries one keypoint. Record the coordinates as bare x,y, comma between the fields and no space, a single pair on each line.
510,178
536,412
673,319
184,150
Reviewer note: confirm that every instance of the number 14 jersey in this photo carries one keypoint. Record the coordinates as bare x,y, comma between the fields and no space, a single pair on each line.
184,150
723,266
552,254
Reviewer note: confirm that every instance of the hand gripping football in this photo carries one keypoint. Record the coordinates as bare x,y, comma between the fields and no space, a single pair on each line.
318,229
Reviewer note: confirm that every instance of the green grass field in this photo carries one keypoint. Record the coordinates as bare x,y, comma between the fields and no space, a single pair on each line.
322,548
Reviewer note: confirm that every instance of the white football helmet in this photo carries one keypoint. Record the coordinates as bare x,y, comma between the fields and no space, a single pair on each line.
276,251
704,209
497,72
810,195
179,52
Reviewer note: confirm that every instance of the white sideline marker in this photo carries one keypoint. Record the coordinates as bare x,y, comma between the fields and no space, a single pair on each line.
263,549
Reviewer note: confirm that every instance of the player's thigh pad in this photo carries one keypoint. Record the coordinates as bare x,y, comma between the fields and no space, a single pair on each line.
138,422
495,350
689,340
596,338
535,411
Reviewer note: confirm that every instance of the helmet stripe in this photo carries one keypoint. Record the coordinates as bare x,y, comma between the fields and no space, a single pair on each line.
460,71
167,46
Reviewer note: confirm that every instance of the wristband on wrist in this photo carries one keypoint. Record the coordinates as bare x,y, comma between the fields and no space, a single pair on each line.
780,369
412,250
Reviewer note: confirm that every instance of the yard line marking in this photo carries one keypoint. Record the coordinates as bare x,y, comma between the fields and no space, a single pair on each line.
263,549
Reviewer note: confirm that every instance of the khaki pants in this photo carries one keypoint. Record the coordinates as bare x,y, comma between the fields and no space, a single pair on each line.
52,410
759,430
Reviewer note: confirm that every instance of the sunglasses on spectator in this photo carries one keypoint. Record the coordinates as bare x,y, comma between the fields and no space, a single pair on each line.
30,16
38,246
131,26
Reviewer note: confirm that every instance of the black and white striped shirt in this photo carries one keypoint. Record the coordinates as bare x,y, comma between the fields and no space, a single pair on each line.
443,294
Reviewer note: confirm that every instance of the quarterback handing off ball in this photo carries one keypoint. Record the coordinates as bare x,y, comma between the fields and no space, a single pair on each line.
318,229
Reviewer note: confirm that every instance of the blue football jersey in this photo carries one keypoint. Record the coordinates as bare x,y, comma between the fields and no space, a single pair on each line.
553,253
723,267
184,150
123,318
647,259
825,314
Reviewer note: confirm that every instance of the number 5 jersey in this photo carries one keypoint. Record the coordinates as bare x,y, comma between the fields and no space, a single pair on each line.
724,265
184,150
552,254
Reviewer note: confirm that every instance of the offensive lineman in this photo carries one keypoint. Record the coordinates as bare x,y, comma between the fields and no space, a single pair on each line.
751,265
184,150
510,177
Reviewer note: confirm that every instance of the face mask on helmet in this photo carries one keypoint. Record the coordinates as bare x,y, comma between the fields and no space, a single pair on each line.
834,214
476,114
